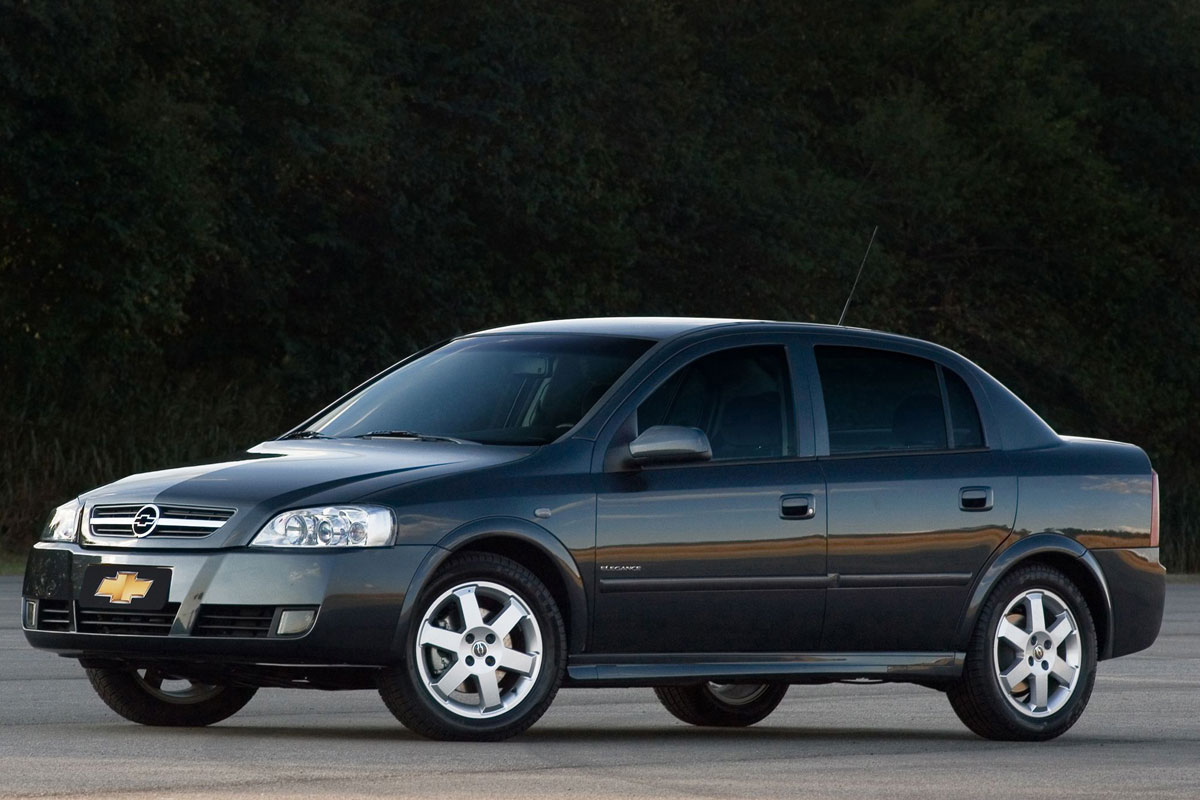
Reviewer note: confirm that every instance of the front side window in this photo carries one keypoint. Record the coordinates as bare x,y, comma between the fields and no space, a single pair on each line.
877,400
740,398
498,389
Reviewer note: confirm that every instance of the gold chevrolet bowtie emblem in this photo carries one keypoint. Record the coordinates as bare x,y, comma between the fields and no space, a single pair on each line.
123,588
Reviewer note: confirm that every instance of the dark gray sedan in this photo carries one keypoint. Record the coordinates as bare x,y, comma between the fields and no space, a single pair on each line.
714,508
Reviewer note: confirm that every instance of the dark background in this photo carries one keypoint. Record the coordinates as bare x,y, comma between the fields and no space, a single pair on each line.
215,217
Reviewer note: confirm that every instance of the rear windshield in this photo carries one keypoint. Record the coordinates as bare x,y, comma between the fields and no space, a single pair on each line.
500,389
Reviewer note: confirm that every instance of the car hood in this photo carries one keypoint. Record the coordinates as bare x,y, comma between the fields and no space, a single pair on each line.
275,476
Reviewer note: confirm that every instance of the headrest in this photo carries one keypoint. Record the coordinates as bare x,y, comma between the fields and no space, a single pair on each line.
753,420
919,422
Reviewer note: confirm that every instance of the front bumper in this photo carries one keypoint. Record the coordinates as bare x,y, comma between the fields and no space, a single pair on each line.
358,596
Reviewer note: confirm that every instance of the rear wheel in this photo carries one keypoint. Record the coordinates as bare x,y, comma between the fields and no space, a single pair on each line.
726,705
154,697
1031,662
486,652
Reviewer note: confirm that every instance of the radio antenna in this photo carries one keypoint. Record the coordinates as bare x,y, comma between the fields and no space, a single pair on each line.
859,275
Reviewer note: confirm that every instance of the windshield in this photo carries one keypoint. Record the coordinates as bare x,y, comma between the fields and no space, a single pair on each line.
515,389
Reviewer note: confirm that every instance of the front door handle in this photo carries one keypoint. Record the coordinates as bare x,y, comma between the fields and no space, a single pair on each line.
797,506
975,498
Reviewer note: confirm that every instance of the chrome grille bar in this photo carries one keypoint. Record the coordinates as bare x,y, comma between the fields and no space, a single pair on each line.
187,521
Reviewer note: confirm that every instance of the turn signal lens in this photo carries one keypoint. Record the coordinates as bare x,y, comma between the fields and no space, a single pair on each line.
294,621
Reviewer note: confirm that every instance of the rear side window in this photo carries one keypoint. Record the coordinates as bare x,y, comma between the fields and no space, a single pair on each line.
876,400
964,416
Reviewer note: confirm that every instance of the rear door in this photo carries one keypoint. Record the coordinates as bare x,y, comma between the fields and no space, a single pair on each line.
726,555
918,500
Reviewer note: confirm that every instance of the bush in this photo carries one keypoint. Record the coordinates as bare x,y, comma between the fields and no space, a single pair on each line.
279,200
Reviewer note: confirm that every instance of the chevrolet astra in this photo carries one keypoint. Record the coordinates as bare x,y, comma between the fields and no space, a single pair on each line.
717,509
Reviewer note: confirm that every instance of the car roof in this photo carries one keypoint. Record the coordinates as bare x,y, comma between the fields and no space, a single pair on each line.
655,327
642,327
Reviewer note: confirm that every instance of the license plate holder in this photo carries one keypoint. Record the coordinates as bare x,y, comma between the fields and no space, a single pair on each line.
124,587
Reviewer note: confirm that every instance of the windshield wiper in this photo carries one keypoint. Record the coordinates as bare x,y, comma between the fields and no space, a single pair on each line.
305,435
424,437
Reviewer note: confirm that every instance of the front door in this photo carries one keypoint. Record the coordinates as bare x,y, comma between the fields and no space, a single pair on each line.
720,556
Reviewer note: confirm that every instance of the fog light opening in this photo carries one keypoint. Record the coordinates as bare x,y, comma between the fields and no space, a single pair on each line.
30,617
295,621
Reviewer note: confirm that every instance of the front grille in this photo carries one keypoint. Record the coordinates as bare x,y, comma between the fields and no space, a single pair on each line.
241,621
126,623
54,615
172,520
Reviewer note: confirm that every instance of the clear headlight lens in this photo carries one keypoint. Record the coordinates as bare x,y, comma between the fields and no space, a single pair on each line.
64,523
331,526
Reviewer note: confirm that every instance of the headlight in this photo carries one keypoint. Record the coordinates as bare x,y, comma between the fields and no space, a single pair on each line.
64,523
331,526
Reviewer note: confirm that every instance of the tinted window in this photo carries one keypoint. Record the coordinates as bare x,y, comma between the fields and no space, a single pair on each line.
740,398
877,400
964,416
517,389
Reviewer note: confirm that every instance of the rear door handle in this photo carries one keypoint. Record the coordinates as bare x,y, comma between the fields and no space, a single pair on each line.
797,506
975,498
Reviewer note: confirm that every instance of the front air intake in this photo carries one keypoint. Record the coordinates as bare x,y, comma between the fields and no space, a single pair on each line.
54,615
234,621
126,622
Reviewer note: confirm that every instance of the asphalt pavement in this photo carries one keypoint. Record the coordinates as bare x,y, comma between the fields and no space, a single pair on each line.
1140,738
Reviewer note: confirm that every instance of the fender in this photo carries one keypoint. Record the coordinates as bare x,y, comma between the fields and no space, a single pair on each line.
1021,550
520,530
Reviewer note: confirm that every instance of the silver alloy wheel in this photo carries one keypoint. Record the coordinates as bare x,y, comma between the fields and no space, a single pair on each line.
1038,653
479,650
177,691
737,694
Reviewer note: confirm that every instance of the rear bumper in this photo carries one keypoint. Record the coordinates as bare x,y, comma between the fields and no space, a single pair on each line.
1137,589
358,596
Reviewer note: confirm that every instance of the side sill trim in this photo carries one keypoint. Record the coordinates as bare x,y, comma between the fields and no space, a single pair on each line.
635,669
904,580
898,580
715,584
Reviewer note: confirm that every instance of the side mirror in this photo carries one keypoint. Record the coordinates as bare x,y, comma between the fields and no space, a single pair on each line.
669,443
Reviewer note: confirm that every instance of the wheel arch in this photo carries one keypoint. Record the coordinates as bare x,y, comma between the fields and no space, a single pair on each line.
1062,553
528,544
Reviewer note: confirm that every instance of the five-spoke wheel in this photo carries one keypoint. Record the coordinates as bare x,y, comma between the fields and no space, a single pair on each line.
1038,652
1031,661
479,668
486,652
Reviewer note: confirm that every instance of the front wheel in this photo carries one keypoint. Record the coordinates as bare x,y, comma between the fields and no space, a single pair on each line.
725,705
154,697
1031,661
486,652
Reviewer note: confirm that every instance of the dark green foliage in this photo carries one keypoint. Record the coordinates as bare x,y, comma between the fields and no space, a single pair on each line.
216,217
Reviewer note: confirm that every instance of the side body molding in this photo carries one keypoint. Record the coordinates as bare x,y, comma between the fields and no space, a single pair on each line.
517,530
1022,549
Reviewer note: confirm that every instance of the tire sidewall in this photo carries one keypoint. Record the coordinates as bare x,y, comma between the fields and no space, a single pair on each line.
525,584
745,713
123,691
984,647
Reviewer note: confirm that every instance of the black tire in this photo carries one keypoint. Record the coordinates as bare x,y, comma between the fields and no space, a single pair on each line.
136,698
411,698
714,705
979,698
